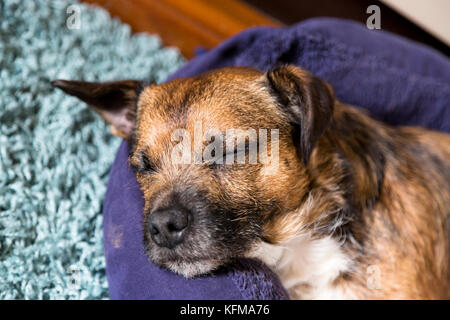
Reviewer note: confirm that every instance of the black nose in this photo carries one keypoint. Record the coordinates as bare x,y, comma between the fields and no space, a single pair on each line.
168,226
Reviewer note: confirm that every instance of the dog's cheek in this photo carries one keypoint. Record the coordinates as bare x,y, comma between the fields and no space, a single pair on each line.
229,213
289,183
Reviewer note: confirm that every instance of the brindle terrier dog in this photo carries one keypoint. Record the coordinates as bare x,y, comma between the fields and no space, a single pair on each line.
356,209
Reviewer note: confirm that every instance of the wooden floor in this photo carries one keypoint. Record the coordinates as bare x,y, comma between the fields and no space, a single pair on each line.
187,24
190,24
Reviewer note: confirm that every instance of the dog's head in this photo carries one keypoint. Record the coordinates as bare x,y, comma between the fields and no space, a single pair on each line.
204,205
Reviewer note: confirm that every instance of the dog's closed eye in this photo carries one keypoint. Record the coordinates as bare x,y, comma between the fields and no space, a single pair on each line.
141,163
236,156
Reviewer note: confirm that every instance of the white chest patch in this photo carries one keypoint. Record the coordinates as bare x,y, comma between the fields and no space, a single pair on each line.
307,267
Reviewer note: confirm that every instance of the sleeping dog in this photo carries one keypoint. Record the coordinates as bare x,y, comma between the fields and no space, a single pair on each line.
349,207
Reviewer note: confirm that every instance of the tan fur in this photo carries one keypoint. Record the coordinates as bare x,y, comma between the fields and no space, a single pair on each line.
407,231
405,234
357,208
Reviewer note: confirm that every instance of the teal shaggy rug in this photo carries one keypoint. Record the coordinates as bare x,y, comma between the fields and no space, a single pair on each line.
54,152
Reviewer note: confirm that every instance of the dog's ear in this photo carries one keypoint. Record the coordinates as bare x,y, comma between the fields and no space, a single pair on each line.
307,100
115,101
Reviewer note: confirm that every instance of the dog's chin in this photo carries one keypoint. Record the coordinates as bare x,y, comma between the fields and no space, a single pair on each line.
192,269
186,266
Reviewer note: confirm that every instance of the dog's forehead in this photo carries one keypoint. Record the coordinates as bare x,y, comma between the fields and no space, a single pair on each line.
229,98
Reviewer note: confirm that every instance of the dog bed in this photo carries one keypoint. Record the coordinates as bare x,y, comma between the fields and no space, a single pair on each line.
398,81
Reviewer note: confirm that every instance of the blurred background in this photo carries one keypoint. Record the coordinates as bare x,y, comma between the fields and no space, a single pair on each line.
196,24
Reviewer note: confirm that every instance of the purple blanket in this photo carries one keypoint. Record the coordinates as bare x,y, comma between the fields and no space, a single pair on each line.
398,81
